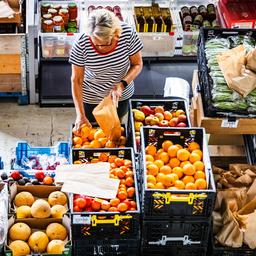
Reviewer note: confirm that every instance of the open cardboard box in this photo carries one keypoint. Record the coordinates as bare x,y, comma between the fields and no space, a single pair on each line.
38,191
41,224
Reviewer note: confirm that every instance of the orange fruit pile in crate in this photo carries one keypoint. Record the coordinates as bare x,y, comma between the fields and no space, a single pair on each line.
174,167
126,197
95,138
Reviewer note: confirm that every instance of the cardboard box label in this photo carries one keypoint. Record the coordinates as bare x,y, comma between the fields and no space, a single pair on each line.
78,219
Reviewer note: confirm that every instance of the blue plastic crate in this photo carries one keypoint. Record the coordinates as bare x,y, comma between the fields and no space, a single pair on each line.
1,164
23,149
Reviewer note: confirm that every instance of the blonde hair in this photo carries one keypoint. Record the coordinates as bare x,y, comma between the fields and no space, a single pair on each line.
104,24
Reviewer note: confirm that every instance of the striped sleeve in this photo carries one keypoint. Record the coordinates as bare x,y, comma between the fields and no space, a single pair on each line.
135,43
77,55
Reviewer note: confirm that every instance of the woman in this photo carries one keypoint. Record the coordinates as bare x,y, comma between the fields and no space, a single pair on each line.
104,61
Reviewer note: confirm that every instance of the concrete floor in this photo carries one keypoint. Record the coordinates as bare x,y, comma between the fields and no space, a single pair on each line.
38,126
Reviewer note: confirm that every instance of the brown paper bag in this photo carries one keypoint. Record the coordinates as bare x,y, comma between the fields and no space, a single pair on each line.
106,116
251,60
232,64
250,230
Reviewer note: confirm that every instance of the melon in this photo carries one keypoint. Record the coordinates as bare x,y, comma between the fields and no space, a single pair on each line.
23,212
19,248
38,242
40,209
56,231
19,231
24,198
56,247
57,197
58,211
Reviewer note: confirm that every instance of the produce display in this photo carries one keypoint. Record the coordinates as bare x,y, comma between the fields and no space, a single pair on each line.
28,206
234,212
125,199
175,167
223,98
39,178
95,138
23,240
116,10
59,18
153,18
157,116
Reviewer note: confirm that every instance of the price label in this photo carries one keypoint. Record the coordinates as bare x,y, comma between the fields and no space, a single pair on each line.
229,124
78,219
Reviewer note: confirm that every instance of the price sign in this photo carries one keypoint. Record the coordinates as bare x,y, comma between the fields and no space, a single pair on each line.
79,219
226,123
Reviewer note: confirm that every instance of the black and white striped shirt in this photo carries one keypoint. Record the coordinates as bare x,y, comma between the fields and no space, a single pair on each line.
103,71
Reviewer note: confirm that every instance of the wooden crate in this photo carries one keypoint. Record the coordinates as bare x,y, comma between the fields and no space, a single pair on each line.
217,125
11,57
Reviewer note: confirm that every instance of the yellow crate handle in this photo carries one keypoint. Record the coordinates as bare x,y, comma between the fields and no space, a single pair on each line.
116,220
173,198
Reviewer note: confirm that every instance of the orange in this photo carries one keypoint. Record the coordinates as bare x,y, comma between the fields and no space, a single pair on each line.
172,188
199,165
129,174
127,163
84,138
103,141
159,163
159,185
193,146
91,134
179,184
179,146
190,186
184,163
174,162
78,146
199,175
119,161
110,144
172,151
124,168
194,157
77,140
160,177
95,144
189,169
201,183
129,182
198,151
183,154
151,179
178,170
122,207
149,158
131,192
112,209
152,169
150,185
159,151
166,144
122,195
170,179
164,157
85,130
111,158
151,150
103,157
114,201
99,134
120,173
165,169
188,179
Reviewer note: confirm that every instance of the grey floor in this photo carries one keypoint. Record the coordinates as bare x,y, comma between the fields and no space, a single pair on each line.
37,126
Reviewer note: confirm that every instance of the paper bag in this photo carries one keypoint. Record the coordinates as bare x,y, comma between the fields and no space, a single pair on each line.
232,64
106,116
251,60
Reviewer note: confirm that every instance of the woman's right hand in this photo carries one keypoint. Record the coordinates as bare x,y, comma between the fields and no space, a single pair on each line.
80,121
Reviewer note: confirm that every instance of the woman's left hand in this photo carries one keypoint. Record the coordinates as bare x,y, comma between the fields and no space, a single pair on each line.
116,93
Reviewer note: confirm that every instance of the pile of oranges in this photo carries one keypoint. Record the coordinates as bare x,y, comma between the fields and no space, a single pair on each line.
119,169
174,167
95,138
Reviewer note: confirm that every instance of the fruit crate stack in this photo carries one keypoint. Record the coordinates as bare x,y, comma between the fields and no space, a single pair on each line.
178,191
107,226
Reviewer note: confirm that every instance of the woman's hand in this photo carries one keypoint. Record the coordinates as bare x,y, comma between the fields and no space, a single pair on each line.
116,93
80,121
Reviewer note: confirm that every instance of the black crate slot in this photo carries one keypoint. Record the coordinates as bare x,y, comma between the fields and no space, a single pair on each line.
168,204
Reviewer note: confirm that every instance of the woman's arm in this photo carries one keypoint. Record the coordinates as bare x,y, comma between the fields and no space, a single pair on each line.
135,68
77,79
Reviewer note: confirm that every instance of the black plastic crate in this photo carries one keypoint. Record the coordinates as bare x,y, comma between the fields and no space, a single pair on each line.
250,148
168,104
219,250
102,224
205,79
175,251
106,247
167,234
169,204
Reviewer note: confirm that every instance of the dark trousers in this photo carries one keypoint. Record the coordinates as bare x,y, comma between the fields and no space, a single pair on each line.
121,110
